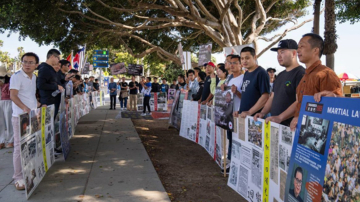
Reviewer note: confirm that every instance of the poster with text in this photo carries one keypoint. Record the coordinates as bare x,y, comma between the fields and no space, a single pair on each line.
325,156
189,120
204,53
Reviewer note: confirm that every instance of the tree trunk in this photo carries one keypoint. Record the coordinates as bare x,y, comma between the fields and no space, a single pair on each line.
330,60
330,45
316,26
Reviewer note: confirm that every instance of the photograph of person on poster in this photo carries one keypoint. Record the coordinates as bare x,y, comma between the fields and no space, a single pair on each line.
297,180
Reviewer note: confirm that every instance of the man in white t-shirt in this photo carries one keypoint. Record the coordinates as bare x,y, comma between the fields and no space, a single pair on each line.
22,94
235,82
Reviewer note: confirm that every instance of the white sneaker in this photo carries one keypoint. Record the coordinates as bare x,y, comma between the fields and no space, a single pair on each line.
143,114
149,114
121,109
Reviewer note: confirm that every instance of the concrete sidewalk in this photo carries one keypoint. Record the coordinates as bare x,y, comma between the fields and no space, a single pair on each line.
107,162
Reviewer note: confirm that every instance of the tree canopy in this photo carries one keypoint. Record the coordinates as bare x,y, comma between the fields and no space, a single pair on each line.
151,27
348,10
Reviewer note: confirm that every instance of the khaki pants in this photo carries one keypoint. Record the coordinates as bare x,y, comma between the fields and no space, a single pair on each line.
133,102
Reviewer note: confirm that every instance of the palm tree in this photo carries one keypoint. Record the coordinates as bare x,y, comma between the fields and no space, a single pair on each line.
316,26
330,45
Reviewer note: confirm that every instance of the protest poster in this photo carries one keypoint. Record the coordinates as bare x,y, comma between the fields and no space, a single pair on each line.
161,102
86,68
64,136
181,56
204,53
235,50
210,131
324,157
189,121
175,115
224,103
135,69
117,68
202,126
170,98
219,146
36,149
187,61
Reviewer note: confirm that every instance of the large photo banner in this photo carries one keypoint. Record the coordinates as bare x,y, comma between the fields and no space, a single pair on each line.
189,120
224,104
36,146
325,157
175,114
118,68
135,69
204,53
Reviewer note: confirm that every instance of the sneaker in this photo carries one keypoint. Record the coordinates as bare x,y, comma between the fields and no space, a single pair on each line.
227,171
110,108
143,114
20,184
149,114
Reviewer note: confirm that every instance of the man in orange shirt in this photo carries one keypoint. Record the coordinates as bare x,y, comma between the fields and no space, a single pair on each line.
317,78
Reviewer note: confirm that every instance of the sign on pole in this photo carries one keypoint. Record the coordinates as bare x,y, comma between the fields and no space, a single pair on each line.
101,59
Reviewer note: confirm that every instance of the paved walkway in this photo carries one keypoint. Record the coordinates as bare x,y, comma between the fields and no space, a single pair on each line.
107,163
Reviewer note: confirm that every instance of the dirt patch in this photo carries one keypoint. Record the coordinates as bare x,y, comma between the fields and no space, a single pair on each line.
186,170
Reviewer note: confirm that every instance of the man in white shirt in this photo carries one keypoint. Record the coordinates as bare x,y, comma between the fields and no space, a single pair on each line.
235,83
22,94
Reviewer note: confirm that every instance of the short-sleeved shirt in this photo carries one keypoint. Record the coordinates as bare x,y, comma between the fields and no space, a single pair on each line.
135,90
285,91
147,92
123,85
96,86
155,87
237,81
90,86
255,84
317,78
27,89
206,90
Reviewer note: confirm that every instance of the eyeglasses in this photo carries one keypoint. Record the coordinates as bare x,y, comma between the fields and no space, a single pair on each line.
27,63
298,182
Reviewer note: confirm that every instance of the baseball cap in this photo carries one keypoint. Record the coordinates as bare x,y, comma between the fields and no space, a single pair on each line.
271,69
286,44
211,64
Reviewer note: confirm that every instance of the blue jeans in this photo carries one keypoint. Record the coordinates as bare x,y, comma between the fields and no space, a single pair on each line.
123,102
229,136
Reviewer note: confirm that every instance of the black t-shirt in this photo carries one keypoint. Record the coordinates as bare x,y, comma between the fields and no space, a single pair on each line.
123,85
254,85
285,91
135,90
206,90
155,87
96,86
173,86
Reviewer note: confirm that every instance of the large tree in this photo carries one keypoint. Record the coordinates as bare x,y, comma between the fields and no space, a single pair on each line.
151,27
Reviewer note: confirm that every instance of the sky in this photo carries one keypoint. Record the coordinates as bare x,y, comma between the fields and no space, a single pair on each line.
345,56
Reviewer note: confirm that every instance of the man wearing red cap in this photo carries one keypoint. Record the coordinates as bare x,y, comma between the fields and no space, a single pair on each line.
206,93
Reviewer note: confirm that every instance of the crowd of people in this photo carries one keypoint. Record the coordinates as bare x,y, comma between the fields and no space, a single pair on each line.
257,92
24,91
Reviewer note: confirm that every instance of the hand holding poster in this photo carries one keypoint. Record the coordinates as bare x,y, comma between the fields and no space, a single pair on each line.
224,108
204,53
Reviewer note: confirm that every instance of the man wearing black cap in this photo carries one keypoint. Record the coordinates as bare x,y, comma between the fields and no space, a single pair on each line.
284,91
272,76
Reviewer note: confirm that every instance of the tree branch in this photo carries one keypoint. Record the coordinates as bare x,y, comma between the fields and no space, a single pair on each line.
271,5
226,9
205,11
281,36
